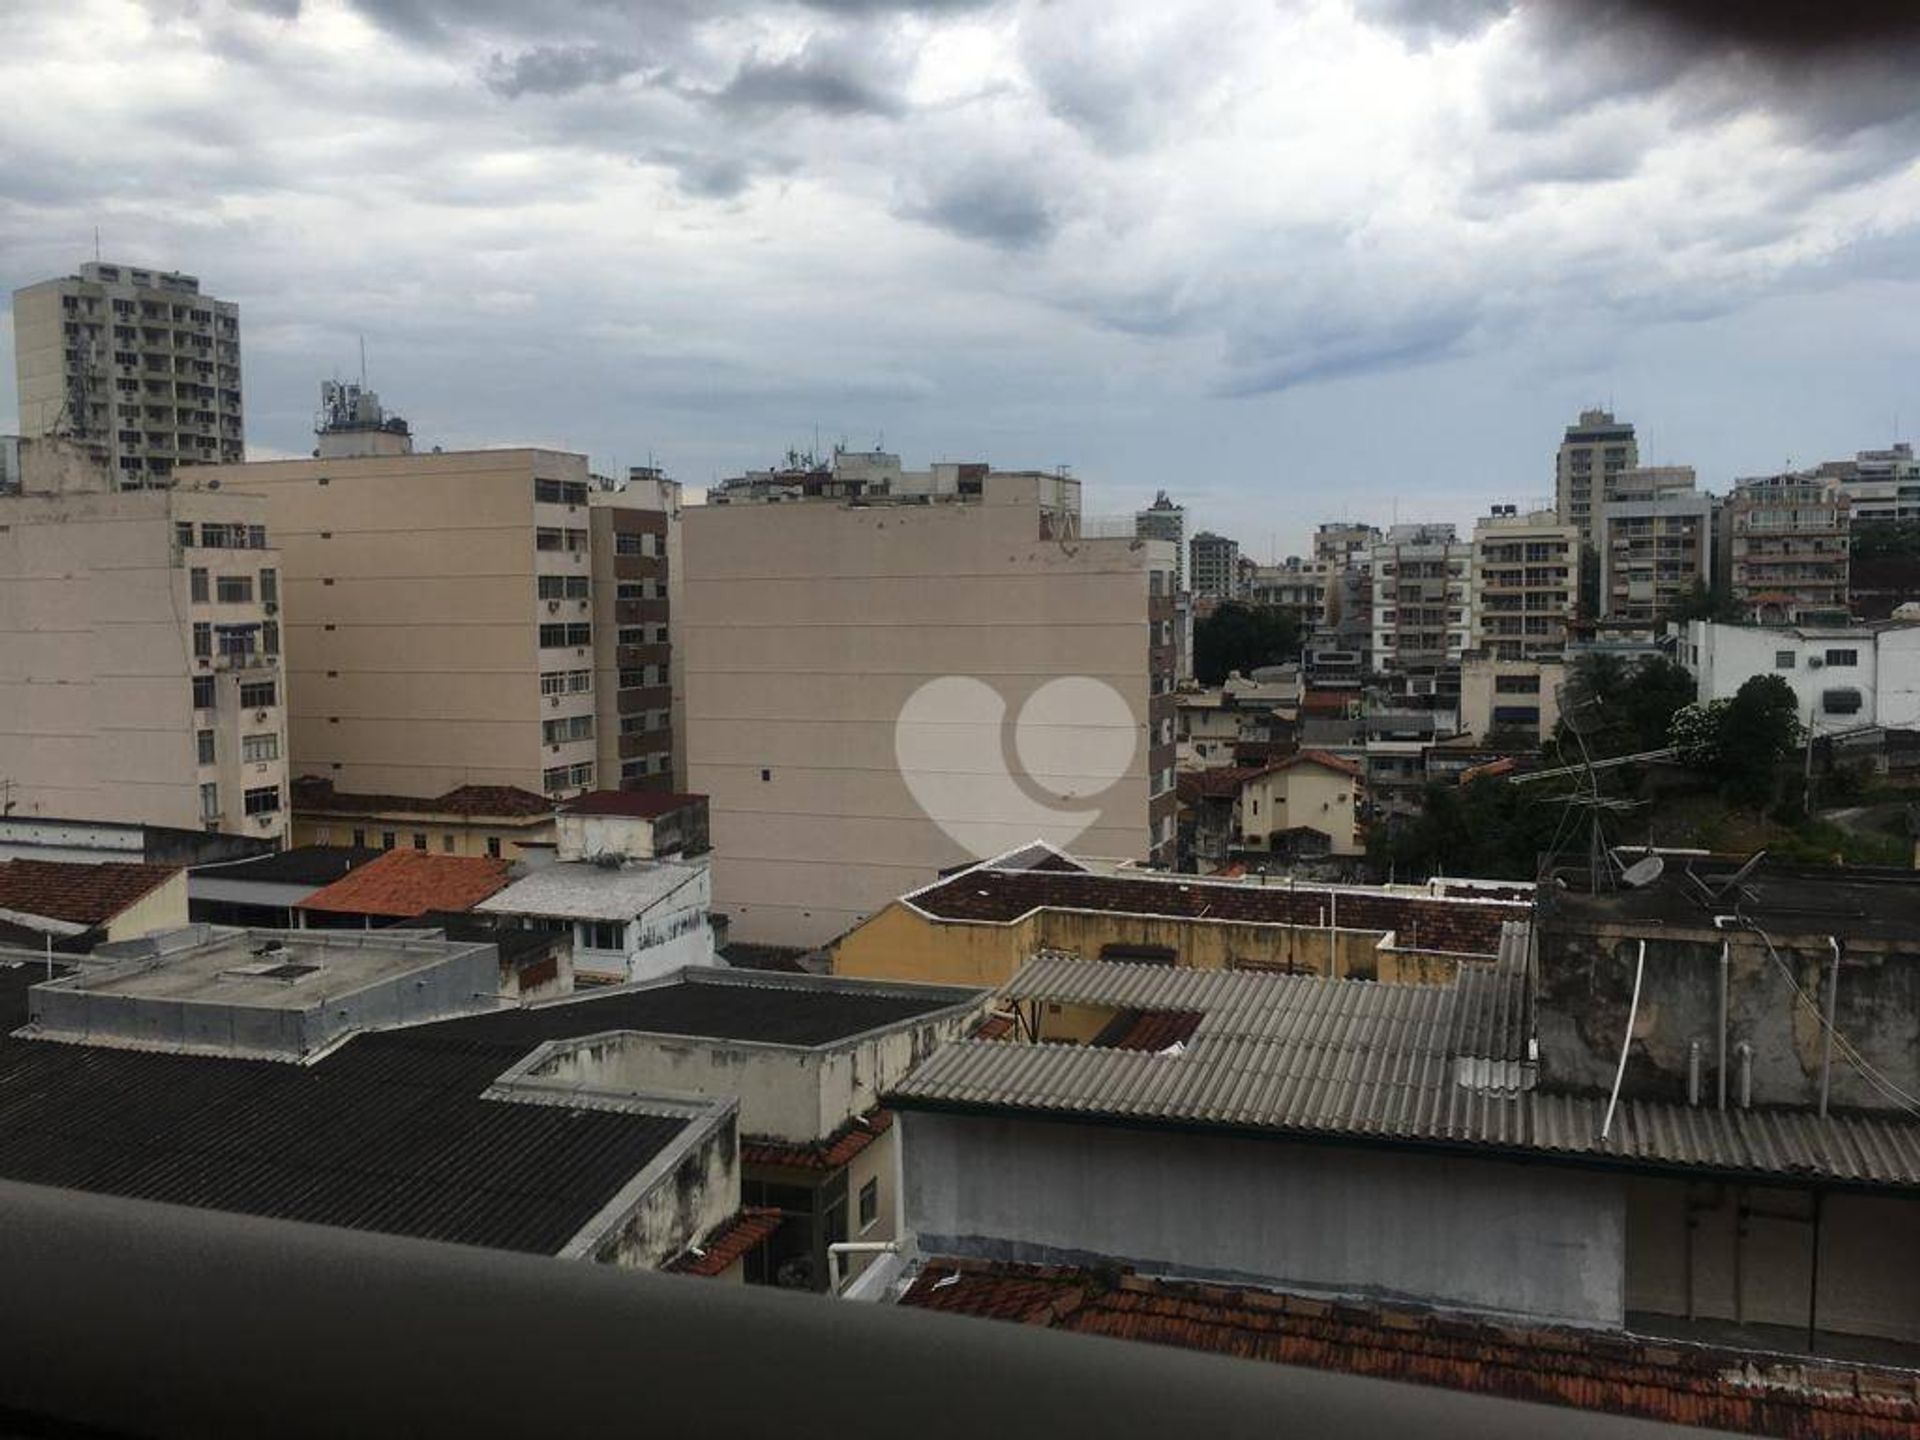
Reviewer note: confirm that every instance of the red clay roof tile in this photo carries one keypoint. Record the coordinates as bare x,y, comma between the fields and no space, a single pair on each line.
835,1151
78,894
476,801
733,1239
1670,1382
641,804
404,883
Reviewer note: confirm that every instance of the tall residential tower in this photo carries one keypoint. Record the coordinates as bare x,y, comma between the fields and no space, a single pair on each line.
136,366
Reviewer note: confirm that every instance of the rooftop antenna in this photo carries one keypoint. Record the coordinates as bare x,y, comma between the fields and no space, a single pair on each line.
96,244
363,362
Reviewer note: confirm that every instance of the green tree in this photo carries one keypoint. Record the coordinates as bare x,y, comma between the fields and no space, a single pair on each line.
1488,829
1632,703
1699,602
1757,729
1243,637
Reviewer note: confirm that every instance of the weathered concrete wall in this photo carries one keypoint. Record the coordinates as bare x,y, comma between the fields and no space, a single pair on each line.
1751,1257
1586,978
1528,1240
877,1163
692,1188
784,1092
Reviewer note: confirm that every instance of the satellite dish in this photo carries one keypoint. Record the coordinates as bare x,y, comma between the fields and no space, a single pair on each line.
1643,872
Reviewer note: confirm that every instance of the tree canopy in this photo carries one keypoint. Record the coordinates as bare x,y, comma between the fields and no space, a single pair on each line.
1634,703
1243,637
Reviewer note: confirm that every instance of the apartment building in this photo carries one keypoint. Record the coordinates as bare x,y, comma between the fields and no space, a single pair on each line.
1299,587
1593,452
864,675
1653,547
1338,543
137,366
1423,603
634,535
1526,582
1508,700
1215,566
1164,520
1878,484
140,642
1784,540
1844,677
443,624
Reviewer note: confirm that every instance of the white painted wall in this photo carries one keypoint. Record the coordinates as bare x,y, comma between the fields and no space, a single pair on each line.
1724,657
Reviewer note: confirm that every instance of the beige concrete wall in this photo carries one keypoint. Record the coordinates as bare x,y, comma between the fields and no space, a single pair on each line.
445,835
1479,694
1752,1257
97,663
162,908
413,616
804,629
878,1164
1307,795
39,356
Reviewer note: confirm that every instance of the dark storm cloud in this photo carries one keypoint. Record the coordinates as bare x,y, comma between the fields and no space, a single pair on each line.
993,203
557,69
827,83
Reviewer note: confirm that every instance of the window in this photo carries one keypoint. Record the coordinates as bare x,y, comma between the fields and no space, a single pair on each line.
237,643
270,587
869,1205
1843,657
569,727
234,589
359,839
1516,685
203,692
579,682
765,775
197,586
630,590
552,682
446,843
563,587
203,743
547,538
633,635
255,749
419,839
552,637
546,492
386,839
493,846
202,639
256,537
1840,702
264,801
183,534
603,935
210,801
257,695
579,634
1783,660
270,637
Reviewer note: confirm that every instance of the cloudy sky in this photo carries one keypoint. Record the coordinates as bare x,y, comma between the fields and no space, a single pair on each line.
1292,260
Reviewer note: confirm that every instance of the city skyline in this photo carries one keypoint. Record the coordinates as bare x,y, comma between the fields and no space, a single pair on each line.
1366,261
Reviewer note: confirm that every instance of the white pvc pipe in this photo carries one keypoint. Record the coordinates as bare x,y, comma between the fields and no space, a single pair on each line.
1626,1041
840,1249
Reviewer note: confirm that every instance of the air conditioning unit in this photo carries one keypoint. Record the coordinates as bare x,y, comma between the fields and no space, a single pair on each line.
553,700
259,714
271,608
553,607
1814,662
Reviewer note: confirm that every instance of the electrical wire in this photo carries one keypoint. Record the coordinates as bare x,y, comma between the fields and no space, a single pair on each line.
1901,1099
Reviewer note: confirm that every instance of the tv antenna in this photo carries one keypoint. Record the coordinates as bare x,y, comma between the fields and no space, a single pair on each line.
1581,714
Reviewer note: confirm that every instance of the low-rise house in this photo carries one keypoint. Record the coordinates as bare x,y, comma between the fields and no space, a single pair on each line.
1510,700
1301,807
639,824
805,1058
980,925
258,1095
402,885
52,900
1468,1146
88,842
497,821
629,919
1843,677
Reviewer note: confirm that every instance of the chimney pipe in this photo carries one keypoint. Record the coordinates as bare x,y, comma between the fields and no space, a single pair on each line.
1694,1047
1745,1052
1726,949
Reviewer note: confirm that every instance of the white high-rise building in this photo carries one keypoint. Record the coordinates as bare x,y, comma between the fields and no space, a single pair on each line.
136,366
1593,452
1164,520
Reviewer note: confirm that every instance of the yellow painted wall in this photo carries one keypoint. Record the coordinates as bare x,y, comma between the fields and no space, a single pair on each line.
901,944
162,908
468,838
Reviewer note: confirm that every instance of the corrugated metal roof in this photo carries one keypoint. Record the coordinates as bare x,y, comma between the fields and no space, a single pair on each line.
1419,1063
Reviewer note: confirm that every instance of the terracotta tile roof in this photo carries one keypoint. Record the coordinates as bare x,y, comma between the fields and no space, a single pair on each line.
1325,702
640,804
1311,757
994,1027
728,1243
1669,1381
477,801
1223,782
987,894
835,1151
1151,1030
404,883
77,894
